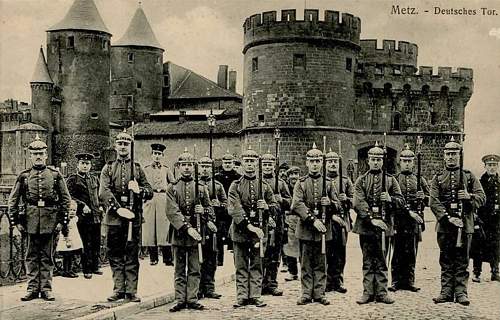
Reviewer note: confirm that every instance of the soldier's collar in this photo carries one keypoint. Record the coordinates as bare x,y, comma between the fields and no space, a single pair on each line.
268,175
120,159
250,178
407,172
314,175
333,174
205,178
187,178
157,164
82,174
39,167
452,168
377,171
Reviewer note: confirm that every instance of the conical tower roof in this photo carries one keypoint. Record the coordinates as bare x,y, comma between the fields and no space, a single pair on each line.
139,32
83,15
41,74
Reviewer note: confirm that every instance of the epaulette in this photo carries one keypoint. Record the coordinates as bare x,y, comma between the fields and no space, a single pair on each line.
303,178
238,180
53,168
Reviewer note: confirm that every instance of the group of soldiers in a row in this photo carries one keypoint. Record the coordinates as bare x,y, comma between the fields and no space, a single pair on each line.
306,218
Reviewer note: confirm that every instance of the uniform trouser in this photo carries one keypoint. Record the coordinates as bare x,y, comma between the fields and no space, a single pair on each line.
39,262
336,254
488,250
248,265
404,259
123,257
187,273
454,263
272,262
312,269
374,265
208,267
166,252
222,239
292,265
91,238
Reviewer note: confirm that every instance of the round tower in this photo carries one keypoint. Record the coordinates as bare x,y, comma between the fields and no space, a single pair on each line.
78,56
136,72
42,90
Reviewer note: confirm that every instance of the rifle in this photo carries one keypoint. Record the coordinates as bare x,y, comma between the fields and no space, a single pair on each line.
261,196
132,178
460,208
384,189
420,207
340,190
214,196
197,201
323,194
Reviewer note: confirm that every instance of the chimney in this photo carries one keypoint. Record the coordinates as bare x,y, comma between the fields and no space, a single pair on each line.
232,81
222,76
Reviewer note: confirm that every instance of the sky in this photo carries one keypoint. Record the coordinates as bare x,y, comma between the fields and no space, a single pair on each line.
202,34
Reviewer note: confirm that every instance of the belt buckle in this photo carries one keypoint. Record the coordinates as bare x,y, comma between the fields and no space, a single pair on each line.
497,206
252,214
123,199
375,209
454,205
40,204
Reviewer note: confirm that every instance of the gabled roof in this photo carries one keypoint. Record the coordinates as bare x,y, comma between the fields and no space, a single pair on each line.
185,84
41,73
83,15
139,32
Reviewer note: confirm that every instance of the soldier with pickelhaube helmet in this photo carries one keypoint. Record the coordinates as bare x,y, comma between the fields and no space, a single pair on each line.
249,229
189,213
123,195
83,187
409,224
308,203
291,248
42,194
375,209
454,195
486,238
336,249
226,176
218,201
275,243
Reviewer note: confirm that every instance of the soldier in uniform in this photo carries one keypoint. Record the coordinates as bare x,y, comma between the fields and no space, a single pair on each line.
447,197
39,205
116,182
218,201
487,248
185,209
156,225
336,249
226,176
275,244
307,203
408,225
84,189
291,248
244,205
375,209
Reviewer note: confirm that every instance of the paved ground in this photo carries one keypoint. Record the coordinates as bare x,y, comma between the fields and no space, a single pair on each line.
485,297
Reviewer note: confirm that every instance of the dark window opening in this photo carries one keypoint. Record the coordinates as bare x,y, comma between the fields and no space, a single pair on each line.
311,112
96,155
433,117
348,64
165,81
255,64
396,70
260,117
129,101
139,84
130,57
299,61
71,42
94,116
379,69
396,125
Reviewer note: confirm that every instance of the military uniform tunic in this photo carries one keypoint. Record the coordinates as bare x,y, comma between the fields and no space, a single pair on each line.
408,231
336,249
242,206
123,255
454,261
306,204
224,220
181,199
84,189
367,205
45,197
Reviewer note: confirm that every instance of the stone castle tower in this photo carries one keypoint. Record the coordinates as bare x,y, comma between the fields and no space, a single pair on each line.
136,72
313,78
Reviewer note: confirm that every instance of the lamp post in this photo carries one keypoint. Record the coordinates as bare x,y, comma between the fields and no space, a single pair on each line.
277,137
211,126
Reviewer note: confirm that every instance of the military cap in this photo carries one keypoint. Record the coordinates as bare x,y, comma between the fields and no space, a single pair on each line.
185,157
452,145
268,157
314,153
84,156
227,156
491,158
407,154
293,169
331,155
249,153
284,166
376,151
123,137
237,162
158,147
205,160
37,144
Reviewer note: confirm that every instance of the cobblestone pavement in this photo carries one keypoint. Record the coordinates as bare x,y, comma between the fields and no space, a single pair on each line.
485,297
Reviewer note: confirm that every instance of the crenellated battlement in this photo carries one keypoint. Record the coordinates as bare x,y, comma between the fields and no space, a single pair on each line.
391,52
336,27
